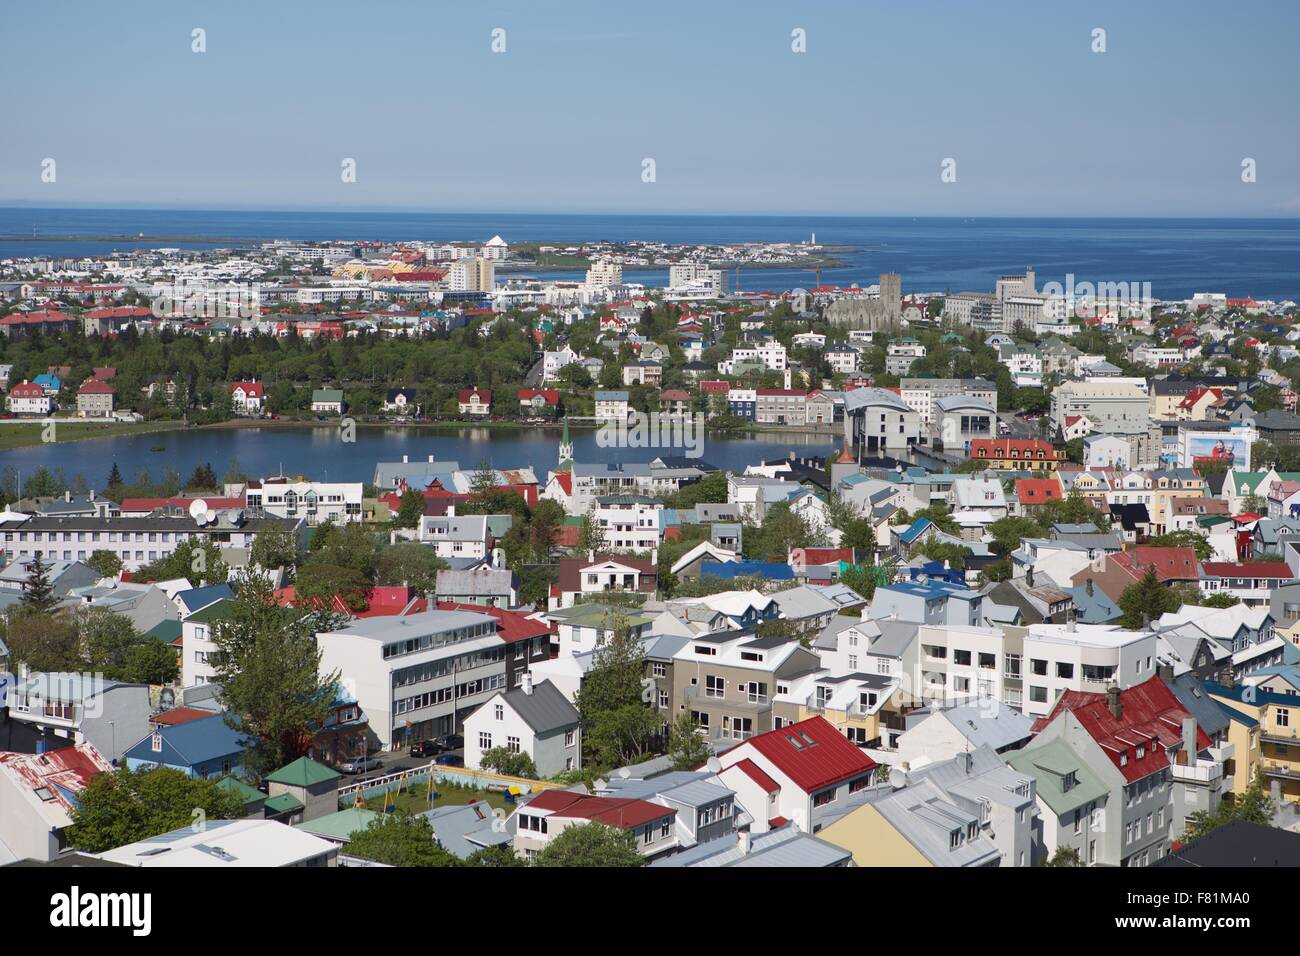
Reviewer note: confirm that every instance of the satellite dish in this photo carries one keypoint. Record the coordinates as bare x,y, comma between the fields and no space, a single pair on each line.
210,517
198,509
599,784
714,765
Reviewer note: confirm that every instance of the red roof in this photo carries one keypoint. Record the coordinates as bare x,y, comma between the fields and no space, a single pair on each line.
1032,448
484,395
26,390
813,556
36,318
179,715
755,773
565,480
812,753
1148,712
512,626
1171,564
251,389
153,504
550,395
1255,569
715,388
1034,491
96,387
619,812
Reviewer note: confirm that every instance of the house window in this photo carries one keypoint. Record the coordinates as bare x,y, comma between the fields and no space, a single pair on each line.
485,741
512,744
568,738
499,712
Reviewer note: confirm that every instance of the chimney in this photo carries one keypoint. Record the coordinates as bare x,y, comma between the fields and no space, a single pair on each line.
1088,587
431,459
742,842
526,685
1226,676
1189,738
1113,702
67,495
1029,576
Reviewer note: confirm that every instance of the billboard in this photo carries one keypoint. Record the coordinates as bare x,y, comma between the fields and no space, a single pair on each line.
1232,450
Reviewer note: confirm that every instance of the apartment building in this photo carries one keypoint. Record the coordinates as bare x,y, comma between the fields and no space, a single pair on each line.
312,501
417,676
1113,406
780,406
1084,658
921,394
109,715
727,680
629,522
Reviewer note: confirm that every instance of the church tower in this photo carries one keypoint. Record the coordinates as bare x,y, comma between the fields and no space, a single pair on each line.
566,448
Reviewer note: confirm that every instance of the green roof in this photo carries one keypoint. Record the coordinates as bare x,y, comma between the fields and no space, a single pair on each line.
284,803
216,611
327,395
1248,481
340,826
235,785
165,631
303,772
1048,764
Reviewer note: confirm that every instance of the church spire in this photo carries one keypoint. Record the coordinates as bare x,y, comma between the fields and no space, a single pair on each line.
566,446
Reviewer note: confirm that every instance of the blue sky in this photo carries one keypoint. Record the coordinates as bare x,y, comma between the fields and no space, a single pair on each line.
736,122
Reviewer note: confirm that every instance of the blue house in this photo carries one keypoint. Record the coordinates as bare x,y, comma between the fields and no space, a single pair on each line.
50,383
202,748
196,599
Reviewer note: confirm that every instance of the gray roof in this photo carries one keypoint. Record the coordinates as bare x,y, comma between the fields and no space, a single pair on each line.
782,847
1209,715
989,723
895,638
464,830
480,581
925,816
545,710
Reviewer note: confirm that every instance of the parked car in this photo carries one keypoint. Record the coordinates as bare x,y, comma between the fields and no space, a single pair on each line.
450,760
359,765
425,748
449,742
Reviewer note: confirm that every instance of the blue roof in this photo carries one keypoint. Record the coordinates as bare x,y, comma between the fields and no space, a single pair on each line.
196,599
910,535
735,569
190,744
48,381
931,589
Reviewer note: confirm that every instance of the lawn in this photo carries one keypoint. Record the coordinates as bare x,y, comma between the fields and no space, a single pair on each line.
415,799
32,433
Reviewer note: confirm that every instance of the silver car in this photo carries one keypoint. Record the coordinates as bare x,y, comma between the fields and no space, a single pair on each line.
359,765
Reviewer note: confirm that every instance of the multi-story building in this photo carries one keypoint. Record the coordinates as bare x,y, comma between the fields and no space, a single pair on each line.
611,405
417,675
921,394
313,501
1113,406
95,399
877,420
1085,658
461,536
28,398
629,522
1016,454
82,708
780,406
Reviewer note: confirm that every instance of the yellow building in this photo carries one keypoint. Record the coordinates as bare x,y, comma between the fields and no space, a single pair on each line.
1263,734
872,840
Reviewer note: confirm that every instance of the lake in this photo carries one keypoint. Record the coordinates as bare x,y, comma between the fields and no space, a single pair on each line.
319,452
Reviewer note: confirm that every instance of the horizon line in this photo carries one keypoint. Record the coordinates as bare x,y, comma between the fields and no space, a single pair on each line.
19,205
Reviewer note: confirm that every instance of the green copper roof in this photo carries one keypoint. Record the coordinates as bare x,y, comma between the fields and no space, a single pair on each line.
217,611
1049,765
340,826
284,803
165,631
1248,480
303,772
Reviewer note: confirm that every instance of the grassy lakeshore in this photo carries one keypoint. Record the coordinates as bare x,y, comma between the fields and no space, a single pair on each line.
29,434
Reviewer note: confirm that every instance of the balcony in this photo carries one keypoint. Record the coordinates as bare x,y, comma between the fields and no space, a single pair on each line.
1274,768
1286,740
1204,772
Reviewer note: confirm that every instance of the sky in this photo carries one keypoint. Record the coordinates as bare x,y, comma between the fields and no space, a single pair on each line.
712,91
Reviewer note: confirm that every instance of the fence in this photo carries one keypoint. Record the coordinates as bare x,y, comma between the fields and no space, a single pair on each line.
459,776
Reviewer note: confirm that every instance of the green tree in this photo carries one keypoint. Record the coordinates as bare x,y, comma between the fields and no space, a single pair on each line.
409,563
1220,600
686,748
591,845
196,561
509,763
150,662
123,806
1254,806
1145,600
274,549
38,592
410,509
1185,539
501,857
107,563
44,642
400,839
616,723
1067,856
268,668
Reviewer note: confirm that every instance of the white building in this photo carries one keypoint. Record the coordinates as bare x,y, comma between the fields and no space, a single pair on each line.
537,720
629,522
1084,657
315,501
417,676
464,536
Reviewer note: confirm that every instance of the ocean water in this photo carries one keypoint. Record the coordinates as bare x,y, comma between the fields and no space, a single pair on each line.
1240,257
